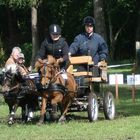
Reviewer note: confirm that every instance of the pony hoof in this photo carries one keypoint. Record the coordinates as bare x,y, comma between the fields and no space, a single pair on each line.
54,117
10,122
39,123
29,120
62,120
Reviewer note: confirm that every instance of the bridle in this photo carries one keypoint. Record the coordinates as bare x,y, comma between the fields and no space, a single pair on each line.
53,71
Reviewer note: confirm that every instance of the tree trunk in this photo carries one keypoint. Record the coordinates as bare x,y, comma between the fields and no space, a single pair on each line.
99,24
34,34
99,18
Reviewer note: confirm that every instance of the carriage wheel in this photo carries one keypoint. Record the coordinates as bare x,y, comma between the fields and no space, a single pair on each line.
109,106
92,107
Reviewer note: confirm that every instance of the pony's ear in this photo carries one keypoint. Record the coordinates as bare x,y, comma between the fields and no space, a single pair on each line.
38,64
51,59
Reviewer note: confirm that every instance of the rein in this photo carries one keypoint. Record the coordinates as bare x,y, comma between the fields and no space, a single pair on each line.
55,76
45,70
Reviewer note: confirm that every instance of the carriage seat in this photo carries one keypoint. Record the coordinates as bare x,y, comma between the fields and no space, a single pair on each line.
88,61
79,60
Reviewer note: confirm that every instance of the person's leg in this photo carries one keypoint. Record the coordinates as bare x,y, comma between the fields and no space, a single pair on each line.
95,71
81,68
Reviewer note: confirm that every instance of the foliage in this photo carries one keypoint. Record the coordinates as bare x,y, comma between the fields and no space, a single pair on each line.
27,51
69,14
14,3
2,53
19,3
123,15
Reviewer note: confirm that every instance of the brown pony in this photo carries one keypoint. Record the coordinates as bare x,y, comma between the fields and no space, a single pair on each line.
59,87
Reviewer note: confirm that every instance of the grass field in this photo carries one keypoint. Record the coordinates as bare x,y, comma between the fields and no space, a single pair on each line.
125,126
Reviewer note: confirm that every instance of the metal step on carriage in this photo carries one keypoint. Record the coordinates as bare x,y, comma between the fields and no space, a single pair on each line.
87,99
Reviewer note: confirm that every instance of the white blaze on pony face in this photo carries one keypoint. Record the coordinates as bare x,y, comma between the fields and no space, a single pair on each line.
12,68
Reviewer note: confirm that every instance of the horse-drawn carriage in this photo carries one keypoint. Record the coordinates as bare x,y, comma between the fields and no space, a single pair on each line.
79,94
68,90
88,99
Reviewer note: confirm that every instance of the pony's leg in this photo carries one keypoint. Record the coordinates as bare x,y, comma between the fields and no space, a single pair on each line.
30,109
54,112
23,112
54,102
43,110
58,97
12,114
65,105
10,108
30,114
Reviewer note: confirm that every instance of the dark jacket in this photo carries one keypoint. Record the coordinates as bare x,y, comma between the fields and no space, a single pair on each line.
57,49
94,46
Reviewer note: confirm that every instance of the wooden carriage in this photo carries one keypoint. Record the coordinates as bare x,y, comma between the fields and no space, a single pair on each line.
88,61
87,99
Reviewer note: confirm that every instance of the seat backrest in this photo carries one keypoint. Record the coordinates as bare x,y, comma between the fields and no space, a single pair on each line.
79,60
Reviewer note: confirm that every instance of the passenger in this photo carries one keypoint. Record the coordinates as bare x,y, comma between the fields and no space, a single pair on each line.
89,43
21,67
54,45
14,56
11,63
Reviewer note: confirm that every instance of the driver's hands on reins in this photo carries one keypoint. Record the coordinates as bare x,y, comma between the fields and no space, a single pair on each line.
101,63
43,61
60,60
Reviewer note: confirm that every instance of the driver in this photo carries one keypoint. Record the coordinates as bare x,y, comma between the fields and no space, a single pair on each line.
54,45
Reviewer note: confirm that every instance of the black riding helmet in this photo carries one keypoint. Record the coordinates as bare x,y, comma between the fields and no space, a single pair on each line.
89,21
55,29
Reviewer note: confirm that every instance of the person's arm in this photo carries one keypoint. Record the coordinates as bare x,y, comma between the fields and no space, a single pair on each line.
103,50
74,46
65,51
40,56
64,56
42,52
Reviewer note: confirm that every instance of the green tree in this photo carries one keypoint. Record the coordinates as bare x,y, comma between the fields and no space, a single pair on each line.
12,6
120,15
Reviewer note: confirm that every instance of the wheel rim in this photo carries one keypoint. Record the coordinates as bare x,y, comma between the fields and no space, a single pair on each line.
94,109
110,107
